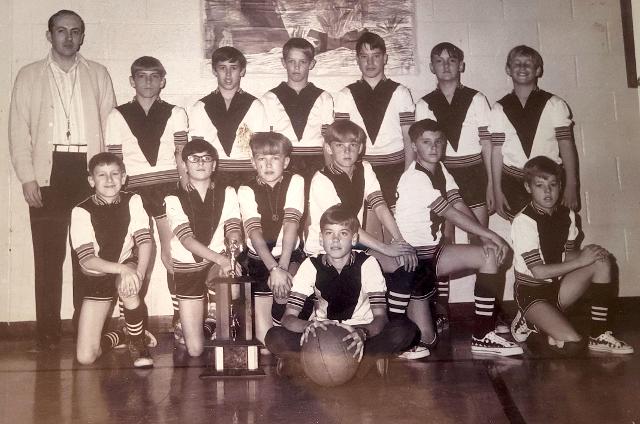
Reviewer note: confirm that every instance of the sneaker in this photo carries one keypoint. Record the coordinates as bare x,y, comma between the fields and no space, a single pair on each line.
177,333
492,344
606,342
140,355
149,339
442,323
519,328
417,352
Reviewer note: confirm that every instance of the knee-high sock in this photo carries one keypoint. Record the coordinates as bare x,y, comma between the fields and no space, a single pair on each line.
400,284
171,285
601,299
485,298
134,321
443,293
111,339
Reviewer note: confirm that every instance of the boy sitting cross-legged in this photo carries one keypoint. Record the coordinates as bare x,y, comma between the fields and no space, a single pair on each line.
271,206
104,229
427,196
552,273
350,289
202,218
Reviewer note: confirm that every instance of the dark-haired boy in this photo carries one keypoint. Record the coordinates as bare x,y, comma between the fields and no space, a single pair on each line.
384,108
552,273
299,110
228,116
350,289
104,230
271,206
427,196
203,219
148,134
526,123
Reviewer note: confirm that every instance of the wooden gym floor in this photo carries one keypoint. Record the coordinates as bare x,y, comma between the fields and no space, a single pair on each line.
451,386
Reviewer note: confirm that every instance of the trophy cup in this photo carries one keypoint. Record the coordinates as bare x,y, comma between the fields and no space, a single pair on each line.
235,347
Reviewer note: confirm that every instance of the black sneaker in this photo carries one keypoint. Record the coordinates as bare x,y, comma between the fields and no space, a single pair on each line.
492,344
140,355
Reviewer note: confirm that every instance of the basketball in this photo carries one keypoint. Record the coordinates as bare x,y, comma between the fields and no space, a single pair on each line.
325,357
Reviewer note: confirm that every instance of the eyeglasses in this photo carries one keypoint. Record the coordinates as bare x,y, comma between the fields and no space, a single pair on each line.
197,159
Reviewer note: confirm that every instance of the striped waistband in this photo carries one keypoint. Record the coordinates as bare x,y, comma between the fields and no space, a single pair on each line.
513,171
391,158
168,176
70,148
182,267
235,165
462,161
528,280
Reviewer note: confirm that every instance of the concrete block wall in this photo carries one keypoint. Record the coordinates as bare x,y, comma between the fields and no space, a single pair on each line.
580,40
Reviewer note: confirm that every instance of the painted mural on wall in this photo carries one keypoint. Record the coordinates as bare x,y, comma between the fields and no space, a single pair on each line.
259,28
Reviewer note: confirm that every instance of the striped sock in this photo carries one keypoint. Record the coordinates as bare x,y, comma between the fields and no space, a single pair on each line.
111,339
484,299
601,296
134,321
400,284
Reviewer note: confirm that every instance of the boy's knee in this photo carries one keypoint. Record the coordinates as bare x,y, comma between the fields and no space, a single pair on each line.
86,356
194,348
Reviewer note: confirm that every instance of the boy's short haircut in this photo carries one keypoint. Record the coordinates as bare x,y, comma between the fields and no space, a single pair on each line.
147,63
418,128
343,131
64,12
298,43
228,53
338,214
199,145
270,143
541,166
105,158
526,51
452,49
373,40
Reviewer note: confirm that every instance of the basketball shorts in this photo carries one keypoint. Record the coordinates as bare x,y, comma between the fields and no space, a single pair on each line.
472,180
102,288
191,285
426,274
514,191
153,197
260,273
527,295
388,177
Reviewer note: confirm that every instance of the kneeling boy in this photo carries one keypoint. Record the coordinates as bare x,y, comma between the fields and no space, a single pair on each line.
427,197
271,205
552,274
201,219
104,229
350,289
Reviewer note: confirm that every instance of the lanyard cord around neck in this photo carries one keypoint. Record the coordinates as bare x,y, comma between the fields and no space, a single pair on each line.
67,111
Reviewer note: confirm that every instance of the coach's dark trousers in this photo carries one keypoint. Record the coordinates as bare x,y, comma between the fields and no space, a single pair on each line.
49,231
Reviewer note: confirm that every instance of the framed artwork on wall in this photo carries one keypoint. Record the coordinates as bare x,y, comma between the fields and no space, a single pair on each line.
259,28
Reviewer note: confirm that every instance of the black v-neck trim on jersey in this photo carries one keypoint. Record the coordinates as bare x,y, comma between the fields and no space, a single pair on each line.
226,120
451,116
297,105
372,103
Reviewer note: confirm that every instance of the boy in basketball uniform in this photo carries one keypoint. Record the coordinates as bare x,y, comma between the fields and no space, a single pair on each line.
299,110
203,218
350,291
104,230
227,117
148,134
427,196
271,206
526,123
552,272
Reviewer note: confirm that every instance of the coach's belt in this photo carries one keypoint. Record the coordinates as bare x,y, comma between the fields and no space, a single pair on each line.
70,148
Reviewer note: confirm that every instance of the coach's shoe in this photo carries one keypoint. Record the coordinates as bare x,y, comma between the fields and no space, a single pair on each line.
519,328
492,344
606,342
140,355
419,351
177,333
